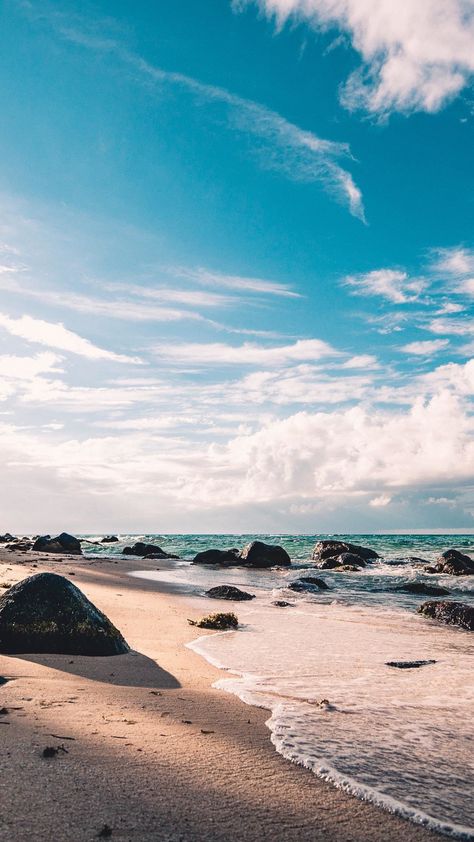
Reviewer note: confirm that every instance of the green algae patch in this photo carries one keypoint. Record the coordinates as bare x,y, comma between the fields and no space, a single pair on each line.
220,621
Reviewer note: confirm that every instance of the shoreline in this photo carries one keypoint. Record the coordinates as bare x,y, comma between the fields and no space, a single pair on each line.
152,749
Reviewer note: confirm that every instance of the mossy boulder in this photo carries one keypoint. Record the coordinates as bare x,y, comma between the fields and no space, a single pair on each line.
46,613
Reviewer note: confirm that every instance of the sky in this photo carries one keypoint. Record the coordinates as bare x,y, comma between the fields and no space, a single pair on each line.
236,266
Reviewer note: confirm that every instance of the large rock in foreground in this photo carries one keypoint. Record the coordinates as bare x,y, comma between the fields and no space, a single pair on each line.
259,554
452,613
63,543
47,613
332,549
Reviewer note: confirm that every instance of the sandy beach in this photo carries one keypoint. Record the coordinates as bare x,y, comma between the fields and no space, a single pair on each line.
147,748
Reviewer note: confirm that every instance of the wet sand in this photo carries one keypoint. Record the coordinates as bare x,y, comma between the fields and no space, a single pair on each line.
146,745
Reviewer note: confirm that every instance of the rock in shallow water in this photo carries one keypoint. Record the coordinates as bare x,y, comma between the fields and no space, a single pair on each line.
453,563
331,549
255,554
229,592
220,622
63,543
48,614
452,613
145,550
309,584
422,588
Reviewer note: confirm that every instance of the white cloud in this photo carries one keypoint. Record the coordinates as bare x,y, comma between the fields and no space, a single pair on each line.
457,262
55,335
189,297
206,277
456,327
381,501
27,368
218,353
393,284
425,348
415,55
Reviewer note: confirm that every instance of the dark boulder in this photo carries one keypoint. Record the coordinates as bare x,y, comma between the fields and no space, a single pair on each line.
109,539
452,613
351,558
309,584
454,563
47,613
421,588
227,557
281,603
331,549
329,563
229,592
4,539
63,543
347,568
259,554
145,550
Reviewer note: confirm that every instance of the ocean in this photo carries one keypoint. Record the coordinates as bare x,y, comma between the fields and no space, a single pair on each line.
400,738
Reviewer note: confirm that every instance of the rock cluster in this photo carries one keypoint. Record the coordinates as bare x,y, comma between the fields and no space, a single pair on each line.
341,556
47,613
63,543
255,554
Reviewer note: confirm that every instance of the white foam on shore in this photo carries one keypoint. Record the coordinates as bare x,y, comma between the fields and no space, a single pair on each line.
400,738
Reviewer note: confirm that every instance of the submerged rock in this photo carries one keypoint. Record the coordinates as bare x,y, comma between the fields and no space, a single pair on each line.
47,613
109,539
259,554
229,592
219,621
452,613
63,543
332,549
422,588
228,557
409,665
145,550
309,584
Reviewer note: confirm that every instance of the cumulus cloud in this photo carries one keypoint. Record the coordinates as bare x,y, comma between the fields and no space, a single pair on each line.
416,56
218,353
425,348
393,284
55,335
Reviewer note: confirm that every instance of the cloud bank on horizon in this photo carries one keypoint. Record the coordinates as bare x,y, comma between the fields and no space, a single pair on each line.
194,336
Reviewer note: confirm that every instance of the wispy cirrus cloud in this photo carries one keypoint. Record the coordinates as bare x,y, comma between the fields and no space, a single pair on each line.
55,335
393,284
299,154
415,57
221,280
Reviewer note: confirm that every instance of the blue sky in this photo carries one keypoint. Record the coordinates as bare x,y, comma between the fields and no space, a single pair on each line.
236,265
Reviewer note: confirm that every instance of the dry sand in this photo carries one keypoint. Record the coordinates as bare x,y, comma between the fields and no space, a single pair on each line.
152,750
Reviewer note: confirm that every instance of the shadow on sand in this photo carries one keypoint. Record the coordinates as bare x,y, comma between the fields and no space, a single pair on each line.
130,670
